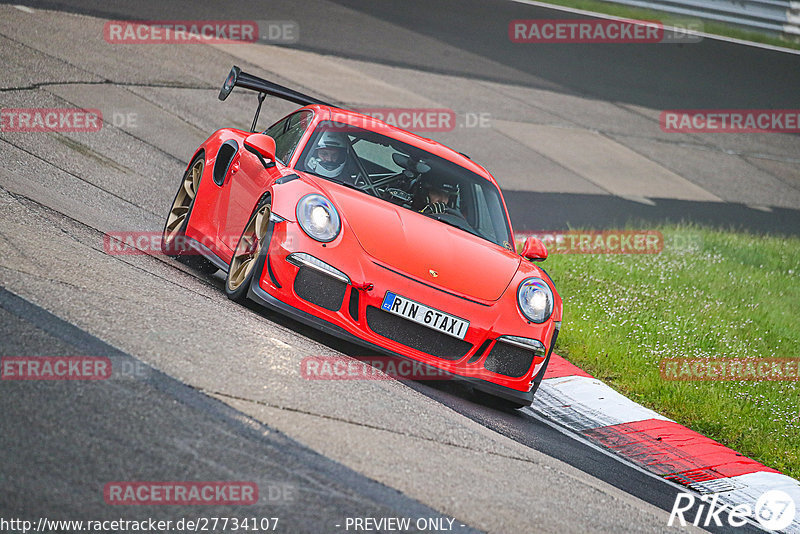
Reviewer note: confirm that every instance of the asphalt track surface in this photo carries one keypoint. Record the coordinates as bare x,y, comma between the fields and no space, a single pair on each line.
60,440
62,443
711,74
669,77
58,451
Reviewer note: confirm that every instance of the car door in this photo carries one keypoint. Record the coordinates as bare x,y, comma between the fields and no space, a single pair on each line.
247,186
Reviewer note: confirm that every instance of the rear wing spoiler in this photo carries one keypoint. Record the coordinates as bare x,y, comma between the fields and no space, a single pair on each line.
237,78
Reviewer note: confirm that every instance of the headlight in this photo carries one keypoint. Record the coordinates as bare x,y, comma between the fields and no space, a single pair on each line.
318,218
535,299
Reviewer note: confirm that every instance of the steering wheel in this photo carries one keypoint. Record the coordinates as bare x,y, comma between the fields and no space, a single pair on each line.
453,211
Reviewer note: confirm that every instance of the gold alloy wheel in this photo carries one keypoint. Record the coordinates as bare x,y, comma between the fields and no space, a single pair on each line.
248,248
183,201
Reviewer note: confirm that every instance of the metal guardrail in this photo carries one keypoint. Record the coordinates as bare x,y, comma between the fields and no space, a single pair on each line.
770,16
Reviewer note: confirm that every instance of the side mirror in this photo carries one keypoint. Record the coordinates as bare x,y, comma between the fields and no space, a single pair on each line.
263,146
534,249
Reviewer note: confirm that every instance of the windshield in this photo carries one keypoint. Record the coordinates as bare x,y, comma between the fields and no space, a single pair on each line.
407,176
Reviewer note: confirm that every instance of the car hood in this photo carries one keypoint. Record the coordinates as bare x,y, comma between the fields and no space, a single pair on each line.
428,250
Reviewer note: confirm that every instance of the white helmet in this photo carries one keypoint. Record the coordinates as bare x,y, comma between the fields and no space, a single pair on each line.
329,155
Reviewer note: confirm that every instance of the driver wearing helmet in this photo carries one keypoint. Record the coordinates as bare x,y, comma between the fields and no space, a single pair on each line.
329,156
437,195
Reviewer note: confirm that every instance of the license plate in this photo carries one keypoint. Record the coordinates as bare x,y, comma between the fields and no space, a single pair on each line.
425,315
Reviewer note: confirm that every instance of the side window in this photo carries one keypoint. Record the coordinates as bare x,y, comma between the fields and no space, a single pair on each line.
287,134
483,212
277,129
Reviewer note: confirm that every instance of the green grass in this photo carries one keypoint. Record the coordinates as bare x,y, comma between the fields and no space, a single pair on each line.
716,28
708,294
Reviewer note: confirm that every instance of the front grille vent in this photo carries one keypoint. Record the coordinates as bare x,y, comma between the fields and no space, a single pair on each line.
415,335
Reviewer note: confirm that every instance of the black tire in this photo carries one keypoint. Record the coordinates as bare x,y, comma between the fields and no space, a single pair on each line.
499,403
247,251
173,243
537,380
198,263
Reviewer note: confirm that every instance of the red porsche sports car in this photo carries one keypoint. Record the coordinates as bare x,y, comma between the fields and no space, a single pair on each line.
372,234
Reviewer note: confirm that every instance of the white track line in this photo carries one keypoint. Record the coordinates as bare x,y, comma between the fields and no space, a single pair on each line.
581,439
582,403
571,404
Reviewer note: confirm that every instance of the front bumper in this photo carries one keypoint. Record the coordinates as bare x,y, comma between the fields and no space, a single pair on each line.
351,311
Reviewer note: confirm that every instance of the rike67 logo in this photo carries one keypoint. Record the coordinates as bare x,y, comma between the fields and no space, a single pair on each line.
774,510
